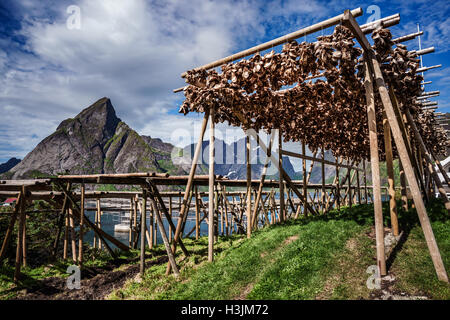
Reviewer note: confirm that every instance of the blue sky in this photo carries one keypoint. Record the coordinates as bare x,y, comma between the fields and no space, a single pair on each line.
133,51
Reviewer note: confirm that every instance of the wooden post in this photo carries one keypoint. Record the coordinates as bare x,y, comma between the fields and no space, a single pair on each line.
19,249
403,184
189,184
305,181
211,187
365,182
164,236
358,186
249,185
338,185
323,180
66,235
24,241
281,184
428,160
261,182
80,240
197,215
143,230
443,172
130,232
379,228
10,229
170,215
61,222
390,172
152,229
409,172
72,236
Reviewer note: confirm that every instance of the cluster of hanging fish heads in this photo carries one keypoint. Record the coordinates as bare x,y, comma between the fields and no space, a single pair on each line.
273,91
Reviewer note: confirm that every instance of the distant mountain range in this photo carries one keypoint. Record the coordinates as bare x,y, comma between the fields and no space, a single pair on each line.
97,141
8,165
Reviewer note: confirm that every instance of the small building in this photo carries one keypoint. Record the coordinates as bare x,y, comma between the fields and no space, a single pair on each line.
9,201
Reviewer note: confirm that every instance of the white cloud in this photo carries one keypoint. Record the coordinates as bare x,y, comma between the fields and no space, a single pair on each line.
132,51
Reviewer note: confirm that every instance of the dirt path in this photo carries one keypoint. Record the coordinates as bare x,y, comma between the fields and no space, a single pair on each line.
96,283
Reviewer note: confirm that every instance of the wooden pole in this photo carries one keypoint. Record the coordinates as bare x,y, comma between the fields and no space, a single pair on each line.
66,236
379,228
263,177
164,236
197,215
143,230
390,172
24,241
443,172
211,187
281,185
409,172
273,43
358,186
170,214
305,181
428,160
338,185
10,229
323,180
72,236
80,240
19,249
249,185
60,222
182,211
403,184
152,229
365,182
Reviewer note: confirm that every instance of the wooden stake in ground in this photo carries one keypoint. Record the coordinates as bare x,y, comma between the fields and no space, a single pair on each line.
379,228
72,236
211,187
182,211
403,184
66,236
10,229
80,241
280,165
19,249
164,236
261,182
143,230
197,215
390,172
249,185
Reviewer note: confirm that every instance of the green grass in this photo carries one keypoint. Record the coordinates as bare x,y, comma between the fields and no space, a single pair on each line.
323,257
313,258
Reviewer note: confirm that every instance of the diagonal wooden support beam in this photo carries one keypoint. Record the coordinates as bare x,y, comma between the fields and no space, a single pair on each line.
428,160
153,188
372,62
185,206
10,229
102,234
283,174
261,183
164,235
409,148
